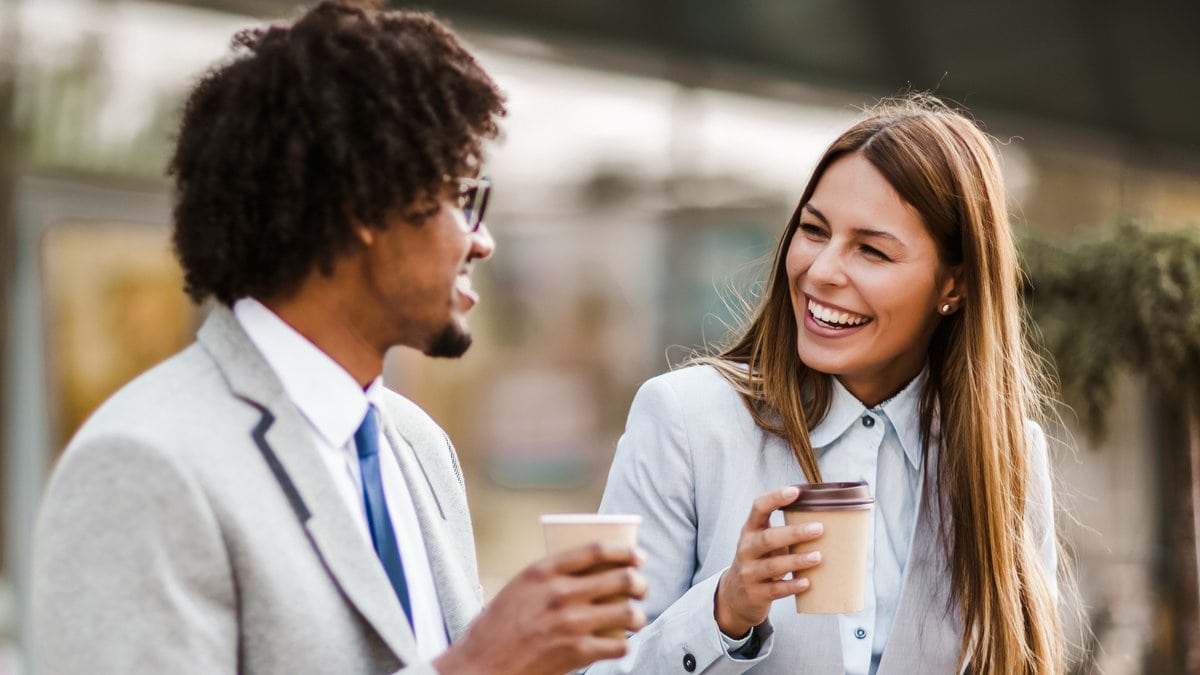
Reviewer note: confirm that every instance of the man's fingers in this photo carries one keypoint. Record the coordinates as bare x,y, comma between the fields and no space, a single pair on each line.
597,554
615,616
598,648
618,582
625,581
765,504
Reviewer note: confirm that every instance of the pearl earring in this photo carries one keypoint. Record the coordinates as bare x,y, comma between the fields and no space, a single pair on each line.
946,308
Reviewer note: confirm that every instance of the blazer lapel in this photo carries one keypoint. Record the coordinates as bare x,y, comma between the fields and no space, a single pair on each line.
330,525
416,451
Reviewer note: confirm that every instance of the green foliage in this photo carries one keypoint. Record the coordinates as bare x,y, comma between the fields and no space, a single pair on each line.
1130,300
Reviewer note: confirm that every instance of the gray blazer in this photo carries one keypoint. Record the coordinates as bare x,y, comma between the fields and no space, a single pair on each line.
191,527
691,461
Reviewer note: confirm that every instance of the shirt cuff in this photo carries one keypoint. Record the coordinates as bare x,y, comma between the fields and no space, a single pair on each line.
745,648
733,645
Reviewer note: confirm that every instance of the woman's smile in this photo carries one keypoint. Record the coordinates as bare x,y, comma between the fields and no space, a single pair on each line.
866,281
828,316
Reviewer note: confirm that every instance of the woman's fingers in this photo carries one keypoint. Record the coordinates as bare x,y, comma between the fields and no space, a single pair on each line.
763,561
766,570
775,541
785,587
766,504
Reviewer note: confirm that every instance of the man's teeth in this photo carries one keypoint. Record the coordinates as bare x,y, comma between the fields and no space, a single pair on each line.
463,284
833,316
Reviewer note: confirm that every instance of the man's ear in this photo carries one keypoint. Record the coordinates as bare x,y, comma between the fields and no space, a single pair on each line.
365,234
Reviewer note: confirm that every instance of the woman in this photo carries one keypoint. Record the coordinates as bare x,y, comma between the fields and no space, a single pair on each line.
888,348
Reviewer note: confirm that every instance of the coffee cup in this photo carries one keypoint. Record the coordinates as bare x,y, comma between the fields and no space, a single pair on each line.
570,530
837,584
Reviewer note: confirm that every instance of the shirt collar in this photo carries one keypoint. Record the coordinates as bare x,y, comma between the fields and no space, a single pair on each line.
328,397
902,410
844,410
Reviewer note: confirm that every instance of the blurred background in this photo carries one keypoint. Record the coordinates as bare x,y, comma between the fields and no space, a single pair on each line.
653,152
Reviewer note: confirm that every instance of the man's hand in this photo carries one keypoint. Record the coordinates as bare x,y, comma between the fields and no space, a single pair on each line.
547,620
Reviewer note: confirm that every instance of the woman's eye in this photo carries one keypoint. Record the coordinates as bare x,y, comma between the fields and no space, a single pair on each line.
812,230
872,252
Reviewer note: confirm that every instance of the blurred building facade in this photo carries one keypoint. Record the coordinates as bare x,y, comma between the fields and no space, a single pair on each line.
634,208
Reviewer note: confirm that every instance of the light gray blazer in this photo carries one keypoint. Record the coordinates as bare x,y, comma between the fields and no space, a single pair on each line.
191,527
691,462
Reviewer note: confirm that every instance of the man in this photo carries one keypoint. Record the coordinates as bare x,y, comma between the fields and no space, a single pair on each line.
260,503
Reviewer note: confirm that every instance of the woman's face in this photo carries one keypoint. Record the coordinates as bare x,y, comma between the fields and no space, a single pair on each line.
866,282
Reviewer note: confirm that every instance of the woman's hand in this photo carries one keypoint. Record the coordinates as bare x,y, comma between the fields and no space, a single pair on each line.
756,577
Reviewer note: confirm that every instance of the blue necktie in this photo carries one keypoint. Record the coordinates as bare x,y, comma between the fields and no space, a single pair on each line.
366,439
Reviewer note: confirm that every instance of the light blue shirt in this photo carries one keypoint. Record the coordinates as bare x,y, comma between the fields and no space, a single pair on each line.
691,462
882,446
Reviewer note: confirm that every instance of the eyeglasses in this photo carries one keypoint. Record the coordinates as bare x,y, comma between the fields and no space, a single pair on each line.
472,199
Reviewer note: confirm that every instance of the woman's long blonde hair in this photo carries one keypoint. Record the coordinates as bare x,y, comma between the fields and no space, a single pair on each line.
983,382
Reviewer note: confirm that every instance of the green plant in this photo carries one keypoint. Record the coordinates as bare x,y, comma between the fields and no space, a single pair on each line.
1131,301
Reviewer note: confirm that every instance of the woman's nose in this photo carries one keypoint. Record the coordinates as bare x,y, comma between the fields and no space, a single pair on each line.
826,266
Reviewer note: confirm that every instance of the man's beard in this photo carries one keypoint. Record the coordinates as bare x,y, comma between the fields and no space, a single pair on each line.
451,343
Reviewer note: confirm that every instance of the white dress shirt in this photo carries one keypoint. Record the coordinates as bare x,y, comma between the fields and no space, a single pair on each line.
882,446
334,406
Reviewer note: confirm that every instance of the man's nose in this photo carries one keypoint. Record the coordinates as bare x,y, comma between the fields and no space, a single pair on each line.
482,243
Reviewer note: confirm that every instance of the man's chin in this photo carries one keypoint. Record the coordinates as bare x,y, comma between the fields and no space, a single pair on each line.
451,343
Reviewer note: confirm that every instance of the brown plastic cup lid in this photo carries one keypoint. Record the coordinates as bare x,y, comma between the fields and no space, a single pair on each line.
832,497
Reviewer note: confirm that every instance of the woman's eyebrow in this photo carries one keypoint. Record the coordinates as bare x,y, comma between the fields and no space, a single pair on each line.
867,232
858,231
813,210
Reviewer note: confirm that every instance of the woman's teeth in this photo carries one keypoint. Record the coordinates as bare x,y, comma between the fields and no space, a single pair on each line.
834,317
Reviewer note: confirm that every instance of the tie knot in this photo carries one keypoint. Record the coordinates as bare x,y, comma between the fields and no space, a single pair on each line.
366,439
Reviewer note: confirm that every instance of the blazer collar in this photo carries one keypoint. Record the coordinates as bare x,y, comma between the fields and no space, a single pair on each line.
326,394
331,528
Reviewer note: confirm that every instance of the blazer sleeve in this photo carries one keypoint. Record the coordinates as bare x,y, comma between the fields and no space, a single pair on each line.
653,475
130,571
1039,513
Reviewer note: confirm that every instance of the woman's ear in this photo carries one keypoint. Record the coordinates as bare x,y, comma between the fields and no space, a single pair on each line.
954,291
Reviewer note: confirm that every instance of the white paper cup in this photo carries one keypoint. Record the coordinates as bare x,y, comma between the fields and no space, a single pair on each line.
837,584
570,530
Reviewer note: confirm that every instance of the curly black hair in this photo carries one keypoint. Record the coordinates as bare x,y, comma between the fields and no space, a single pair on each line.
348,115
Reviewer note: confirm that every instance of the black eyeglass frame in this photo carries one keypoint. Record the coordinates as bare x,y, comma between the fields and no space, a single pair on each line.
473,196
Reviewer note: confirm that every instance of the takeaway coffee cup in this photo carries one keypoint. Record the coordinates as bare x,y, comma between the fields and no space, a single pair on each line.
569,530
836,585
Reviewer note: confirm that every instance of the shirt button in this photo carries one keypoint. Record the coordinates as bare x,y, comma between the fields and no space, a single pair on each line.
868,421
860,633
689,662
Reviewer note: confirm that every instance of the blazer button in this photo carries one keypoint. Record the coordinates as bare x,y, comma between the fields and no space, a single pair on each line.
689,663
